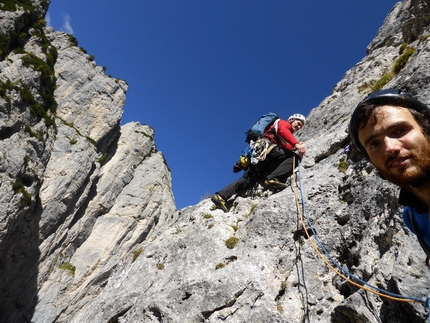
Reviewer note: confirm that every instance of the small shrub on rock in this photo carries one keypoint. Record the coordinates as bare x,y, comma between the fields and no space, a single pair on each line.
231,242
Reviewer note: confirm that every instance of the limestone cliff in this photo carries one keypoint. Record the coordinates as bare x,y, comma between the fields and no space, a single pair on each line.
88,226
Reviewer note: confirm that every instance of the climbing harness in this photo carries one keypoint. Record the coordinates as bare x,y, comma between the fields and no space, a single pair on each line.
258,150
331,263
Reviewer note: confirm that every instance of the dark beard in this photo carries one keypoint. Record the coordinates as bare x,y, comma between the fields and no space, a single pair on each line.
421,181
419,176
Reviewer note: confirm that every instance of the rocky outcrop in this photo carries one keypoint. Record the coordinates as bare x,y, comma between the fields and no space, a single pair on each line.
88,226
78,191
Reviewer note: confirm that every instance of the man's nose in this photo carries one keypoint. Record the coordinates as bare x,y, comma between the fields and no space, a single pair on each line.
392,145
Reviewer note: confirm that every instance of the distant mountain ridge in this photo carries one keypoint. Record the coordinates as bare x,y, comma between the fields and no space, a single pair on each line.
88,226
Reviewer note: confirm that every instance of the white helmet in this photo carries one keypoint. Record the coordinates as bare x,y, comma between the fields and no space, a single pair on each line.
298,116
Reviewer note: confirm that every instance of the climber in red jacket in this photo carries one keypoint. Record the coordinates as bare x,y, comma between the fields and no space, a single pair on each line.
283,135
277,165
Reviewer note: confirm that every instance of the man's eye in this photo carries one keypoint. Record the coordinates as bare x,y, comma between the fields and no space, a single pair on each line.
401,131
374,144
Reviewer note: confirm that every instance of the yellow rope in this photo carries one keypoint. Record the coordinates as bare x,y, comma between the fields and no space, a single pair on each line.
324,258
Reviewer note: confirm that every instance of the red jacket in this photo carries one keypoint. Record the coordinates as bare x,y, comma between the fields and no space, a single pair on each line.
284,137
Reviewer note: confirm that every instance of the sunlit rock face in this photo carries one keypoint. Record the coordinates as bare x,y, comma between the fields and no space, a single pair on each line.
89,231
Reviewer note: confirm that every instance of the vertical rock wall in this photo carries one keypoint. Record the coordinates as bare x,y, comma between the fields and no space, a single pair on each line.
77,191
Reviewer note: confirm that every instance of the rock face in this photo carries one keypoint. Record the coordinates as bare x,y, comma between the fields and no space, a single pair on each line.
88,226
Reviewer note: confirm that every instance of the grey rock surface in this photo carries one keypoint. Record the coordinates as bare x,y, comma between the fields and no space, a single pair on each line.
88,226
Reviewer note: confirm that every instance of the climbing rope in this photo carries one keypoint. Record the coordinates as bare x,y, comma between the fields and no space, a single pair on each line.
340,271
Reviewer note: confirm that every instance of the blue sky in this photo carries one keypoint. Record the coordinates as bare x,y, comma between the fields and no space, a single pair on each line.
201,72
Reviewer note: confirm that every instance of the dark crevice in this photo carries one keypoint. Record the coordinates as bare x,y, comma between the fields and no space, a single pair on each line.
186,296
230,259
82,210
207,314
19,259
301,233
144,234
7,132
109,142
342,220
116,317
332,149
345,193
157,313
25,179
280,294
385,241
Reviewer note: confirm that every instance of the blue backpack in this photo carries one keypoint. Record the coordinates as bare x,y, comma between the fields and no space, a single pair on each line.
260,127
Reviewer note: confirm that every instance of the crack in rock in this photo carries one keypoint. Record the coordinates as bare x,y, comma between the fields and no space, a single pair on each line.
207,314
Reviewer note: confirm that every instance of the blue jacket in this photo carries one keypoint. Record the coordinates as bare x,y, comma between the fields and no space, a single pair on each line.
420,214
421,221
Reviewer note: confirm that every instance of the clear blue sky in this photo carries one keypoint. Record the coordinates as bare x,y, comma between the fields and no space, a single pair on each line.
201,72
